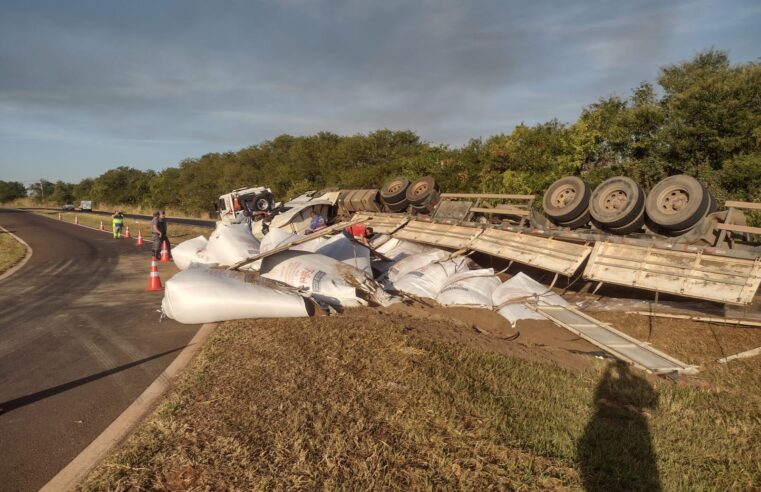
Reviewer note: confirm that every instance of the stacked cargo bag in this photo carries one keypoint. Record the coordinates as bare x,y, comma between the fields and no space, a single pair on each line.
231,243
415,261
469,288
511,297
395,250
341,248
326,279
190,252
200,295
428,280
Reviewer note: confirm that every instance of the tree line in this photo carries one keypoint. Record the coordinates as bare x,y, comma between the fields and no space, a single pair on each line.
702,117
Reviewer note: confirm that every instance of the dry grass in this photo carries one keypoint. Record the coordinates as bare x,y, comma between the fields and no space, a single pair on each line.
11,251
356,402
177,232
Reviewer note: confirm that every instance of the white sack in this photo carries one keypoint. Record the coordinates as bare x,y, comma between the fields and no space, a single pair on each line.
231,243
428,280
414,262
469,288
340,248
327,279
521,289
274,238
187,252
201,295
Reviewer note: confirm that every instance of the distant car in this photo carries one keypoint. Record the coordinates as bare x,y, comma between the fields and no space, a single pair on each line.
68,206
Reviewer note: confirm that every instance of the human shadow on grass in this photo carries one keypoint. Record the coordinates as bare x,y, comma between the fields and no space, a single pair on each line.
616,451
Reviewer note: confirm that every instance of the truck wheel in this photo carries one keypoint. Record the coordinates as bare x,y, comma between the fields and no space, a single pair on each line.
616,202
677,203
566,199
579,221
419,191
394,190
633,226
399,206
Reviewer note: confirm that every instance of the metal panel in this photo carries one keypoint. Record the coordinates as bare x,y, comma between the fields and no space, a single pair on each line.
382,224
616,343
444,235
556,256
715,278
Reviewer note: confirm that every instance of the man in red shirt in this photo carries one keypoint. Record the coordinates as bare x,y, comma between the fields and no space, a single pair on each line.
360,233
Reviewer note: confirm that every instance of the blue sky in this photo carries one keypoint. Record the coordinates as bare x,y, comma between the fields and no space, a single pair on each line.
86,86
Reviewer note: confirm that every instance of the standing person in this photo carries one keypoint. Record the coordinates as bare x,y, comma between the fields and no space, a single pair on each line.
316,223
156,230
117,222
164,236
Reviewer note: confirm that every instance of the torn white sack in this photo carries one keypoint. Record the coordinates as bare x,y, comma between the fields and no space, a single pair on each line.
340,248
201,295
510,298
469,288
414,262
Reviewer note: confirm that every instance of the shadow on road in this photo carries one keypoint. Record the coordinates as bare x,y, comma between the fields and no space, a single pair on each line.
616,451
10,405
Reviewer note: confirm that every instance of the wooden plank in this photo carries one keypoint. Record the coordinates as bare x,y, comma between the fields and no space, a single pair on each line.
742,355
706,319
739,228
746,205
488,195
501,211
305,239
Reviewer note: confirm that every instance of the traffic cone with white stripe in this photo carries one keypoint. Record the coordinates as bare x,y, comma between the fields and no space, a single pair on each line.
101,228
59,215
164,253
76,219
154,281
140,241
127,234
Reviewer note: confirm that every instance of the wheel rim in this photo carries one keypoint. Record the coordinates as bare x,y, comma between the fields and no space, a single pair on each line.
673,200
420,189
615,200
394,187
262,204
563,196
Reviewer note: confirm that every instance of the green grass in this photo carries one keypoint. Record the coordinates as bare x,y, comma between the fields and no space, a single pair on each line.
355,402
11,251
177,232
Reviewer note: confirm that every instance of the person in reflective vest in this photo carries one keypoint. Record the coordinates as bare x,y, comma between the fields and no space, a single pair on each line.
117,222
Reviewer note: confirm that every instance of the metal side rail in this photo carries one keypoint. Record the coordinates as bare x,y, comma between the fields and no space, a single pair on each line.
612,341
698,275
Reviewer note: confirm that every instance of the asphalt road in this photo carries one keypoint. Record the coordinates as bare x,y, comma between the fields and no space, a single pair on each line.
80,340
172,220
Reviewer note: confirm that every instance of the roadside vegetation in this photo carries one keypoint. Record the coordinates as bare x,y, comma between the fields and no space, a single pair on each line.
11,251
364,401
702,117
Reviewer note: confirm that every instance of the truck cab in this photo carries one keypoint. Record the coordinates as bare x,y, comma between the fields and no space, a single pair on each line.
233,207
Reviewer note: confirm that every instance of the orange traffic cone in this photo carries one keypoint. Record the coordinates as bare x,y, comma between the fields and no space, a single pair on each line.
164,253
127,234
76,220
101,226
154,281
140,241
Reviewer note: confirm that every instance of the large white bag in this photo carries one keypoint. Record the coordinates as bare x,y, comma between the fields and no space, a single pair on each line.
414,262
469,288
340,248
428,280
327,279
200,295
187,252
397,249
510,298
274,238
231,243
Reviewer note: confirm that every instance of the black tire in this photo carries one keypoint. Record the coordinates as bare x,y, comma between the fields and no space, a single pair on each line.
419,191
399,206
616,202
677,203
712,206
579,221
394,190
429,205
634,226
566,199
263,203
